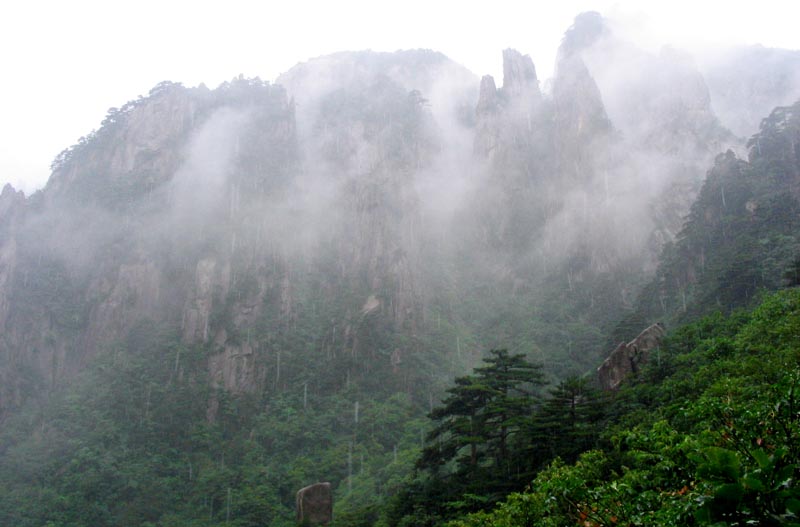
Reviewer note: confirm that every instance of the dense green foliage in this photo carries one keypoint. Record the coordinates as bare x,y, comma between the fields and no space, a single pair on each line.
130,444
322,389
708,436
491,436
741,233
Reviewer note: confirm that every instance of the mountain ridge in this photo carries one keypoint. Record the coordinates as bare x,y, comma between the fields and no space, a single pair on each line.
254,259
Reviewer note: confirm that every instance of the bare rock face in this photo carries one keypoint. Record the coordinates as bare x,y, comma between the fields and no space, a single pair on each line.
376,229
580,111
487,99
149,127
11,200
315,504
198,309
12,204
8,252
487,132
519,76
626,359
510,110
234,369
129,295
136,135
579,106
603,78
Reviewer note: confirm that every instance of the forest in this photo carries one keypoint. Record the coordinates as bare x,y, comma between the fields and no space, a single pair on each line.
385,273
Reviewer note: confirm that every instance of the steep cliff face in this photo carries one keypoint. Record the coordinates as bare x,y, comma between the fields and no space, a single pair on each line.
238,278
740,235
577,197
318,227
665,131
487,129
519,77
582,125
777,146
507,117
204,210
12,205
128,156
128,211
375,127
579,104
197,311
129,295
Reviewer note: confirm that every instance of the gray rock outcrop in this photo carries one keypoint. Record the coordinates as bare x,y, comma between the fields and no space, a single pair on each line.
315,504
487,130
628,358
519,76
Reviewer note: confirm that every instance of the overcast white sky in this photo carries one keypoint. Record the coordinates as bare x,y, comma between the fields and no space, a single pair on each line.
64,63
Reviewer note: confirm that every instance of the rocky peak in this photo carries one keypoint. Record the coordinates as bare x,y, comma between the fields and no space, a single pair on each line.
487,100
579,105
488,113
519,76
586,29
510,110
8,190
10,201
126,160
632,82
687,105
128,147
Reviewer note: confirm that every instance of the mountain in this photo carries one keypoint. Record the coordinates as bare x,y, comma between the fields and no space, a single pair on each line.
739,237
693,442
703,430
224,295
678,430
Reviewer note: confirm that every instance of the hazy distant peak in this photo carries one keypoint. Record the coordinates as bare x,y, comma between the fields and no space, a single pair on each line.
586,29
447,86
11,201
747,82
579,103
487,100
519,74
346,67
8,190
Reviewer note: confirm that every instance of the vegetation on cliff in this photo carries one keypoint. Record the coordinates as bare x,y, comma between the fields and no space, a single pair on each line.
225,295
709,434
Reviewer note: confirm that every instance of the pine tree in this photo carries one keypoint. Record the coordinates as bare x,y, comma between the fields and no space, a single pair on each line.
483,412
566,425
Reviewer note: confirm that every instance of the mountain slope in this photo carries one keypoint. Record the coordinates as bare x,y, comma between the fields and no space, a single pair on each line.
258,286
703,430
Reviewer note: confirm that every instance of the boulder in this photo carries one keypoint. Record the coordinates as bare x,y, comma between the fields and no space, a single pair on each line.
315,504
626,359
